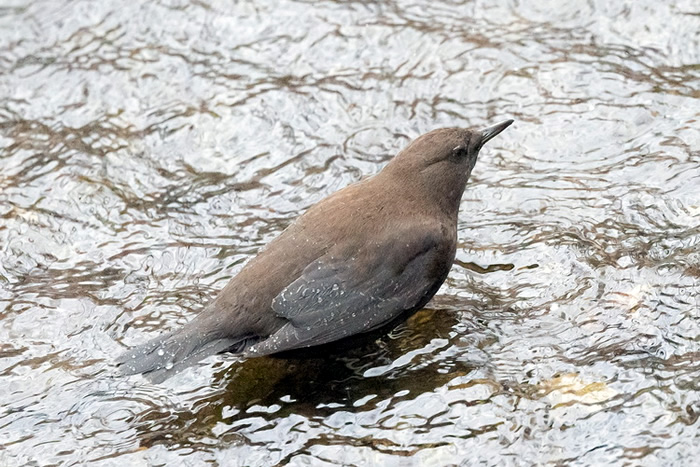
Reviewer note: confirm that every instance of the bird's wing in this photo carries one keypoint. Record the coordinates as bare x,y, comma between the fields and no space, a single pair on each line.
338,297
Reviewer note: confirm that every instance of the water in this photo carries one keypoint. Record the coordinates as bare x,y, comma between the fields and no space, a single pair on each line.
149,149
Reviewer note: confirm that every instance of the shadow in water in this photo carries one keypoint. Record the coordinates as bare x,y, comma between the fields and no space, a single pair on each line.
315,382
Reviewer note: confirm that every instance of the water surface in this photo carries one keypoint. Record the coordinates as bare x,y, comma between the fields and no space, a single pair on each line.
149,149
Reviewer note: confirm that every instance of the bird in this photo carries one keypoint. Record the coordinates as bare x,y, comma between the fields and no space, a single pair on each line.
372,253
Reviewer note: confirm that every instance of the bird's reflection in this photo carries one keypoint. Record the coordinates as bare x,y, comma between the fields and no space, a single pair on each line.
314,382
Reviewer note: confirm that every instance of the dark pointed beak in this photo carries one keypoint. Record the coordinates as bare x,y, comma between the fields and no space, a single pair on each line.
490,132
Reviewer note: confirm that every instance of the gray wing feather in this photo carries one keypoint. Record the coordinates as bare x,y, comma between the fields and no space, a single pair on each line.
333,299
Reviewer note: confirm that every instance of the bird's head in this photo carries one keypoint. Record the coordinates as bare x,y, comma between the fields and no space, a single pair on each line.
439,163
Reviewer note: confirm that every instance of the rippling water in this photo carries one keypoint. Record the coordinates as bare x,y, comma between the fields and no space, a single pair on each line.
149,149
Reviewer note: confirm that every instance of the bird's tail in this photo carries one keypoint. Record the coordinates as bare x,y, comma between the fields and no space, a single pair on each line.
162,357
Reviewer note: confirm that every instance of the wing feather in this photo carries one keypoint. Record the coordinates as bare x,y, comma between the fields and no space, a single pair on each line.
334,298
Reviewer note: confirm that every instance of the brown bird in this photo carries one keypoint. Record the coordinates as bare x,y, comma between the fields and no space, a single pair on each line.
370,253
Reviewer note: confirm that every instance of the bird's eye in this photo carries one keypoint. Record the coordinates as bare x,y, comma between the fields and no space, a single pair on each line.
458,150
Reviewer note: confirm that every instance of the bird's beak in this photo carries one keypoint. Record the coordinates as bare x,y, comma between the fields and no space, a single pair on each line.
490,132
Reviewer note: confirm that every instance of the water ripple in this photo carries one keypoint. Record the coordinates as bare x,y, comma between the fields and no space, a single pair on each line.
149,149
